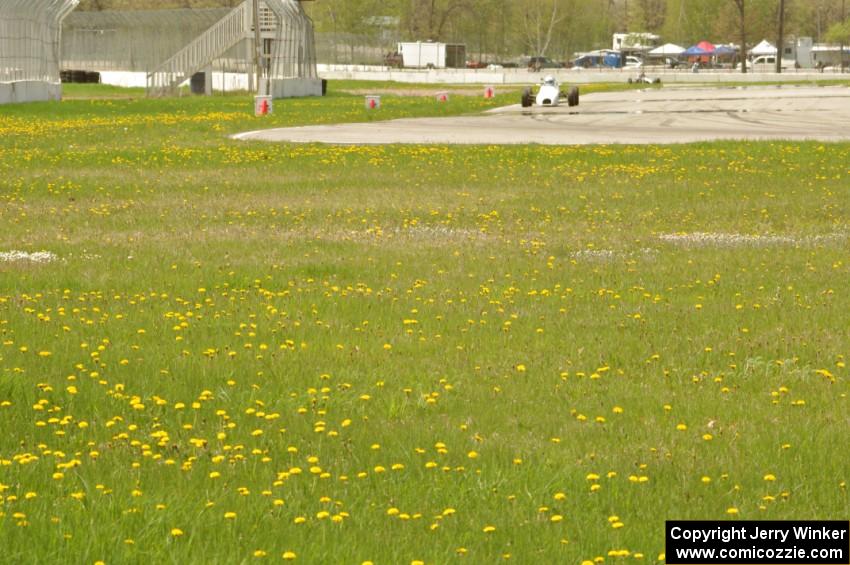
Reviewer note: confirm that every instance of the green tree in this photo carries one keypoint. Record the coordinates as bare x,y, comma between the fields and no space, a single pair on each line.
540,19
647,15
839,33
429,19
350,21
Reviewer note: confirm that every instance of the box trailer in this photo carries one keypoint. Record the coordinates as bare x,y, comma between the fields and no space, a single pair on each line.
429,55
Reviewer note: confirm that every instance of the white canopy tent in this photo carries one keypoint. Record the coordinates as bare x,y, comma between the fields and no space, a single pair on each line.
667,50
765,47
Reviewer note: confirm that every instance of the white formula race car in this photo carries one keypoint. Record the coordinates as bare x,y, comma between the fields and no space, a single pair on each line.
643,79
549,94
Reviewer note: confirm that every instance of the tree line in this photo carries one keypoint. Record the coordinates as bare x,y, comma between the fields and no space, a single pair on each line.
501,29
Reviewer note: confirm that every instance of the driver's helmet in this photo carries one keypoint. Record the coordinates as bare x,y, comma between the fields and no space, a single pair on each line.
549,80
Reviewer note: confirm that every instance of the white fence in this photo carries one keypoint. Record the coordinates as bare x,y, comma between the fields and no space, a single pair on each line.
570,76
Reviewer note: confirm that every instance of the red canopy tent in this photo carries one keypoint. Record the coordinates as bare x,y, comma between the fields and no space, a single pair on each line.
705,57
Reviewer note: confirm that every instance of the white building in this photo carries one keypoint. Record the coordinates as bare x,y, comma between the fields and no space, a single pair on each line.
635,42
825,55
164,49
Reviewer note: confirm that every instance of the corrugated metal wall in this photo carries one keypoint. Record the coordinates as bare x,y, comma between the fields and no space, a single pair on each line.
30,32
132,40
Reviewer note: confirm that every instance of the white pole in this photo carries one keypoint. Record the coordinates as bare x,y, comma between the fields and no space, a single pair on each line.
257,45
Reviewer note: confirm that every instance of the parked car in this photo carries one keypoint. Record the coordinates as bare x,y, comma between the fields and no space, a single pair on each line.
538,63
767,63
589,62
597,60
393,59
632,62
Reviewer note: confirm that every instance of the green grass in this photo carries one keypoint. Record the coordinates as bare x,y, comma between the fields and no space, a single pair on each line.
525,330
76,91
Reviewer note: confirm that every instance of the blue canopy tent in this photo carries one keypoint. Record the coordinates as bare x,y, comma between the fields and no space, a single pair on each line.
697,54
695,51
725,56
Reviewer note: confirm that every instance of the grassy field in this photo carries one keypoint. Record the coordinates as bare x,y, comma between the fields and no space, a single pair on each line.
235,351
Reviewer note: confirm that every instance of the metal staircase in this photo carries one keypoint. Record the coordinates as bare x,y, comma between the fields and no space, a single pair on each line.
286,30
202,51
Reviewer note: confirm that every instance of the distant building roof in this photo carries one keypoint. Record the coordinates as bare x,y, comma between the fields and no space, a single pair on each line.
827,48
383,21
635,40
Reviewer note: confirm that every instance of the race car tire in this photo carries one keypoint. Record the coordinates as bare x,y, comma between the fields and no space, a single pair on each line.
572,96
527,99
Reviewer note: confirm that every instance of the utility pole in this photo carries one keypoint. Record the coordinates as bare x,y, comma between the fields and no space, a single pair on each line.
742,6
841,48
626,16
257,46
780,41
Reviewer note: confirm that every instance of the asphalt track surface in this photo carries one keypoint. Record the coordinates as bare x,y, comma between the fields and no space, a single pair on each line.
656,116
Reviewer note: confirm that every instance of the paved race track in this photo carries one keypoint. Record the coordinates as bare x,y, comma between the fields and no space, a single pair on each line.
668,115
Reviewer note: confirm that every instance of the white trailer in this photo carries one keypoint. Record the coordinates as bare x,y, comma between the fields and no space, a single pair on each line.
430,55
802,48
